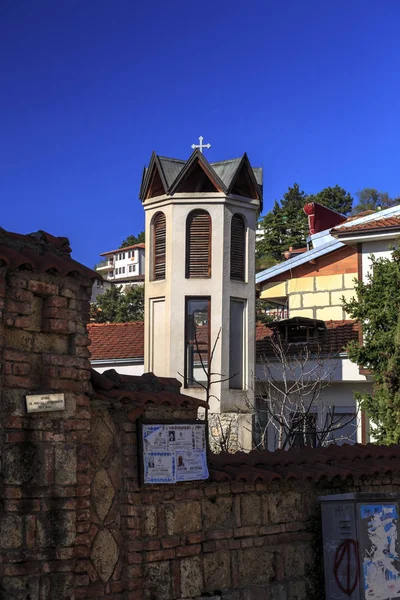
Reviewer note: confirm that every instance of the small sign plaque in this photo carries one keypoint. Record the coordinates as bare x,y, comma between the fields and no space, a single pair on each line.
45,403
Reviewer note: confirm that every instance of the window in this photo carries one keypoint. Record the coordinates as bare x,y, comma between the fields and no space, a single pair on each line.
129,254
198,245
123,269
237,343
130,268
238,248
197,341
159,246
304,430
123,255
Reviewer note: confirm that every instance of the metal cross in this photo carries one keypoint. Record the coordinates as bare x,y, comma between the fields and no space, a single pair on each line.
201,145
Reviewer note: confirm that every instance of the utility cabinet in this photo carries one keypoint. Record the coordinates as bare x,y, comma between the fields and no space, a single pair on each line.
360,534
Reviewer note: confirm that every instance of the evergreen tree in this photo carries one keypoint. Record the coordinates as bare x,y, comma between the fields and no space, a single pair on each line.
116,306
336,198
132,240
371,199
377,307
285,225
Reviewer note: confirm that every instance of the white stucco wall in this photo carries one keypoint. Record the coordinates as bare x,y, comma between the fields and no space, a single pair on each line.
125,368
379,248
175,288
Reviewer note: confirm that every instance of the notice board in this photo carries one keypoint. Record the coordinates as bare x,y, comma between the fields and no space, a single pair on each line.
173,452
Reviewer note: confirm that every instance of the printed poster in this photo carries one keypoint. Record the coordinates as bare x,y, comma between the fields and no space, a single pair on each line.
174,452
380,562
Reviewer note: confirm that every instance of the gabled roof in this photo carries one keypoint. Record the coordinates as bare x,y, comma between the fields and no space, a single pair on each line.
378,220
114,341
142,245
171,172
41,252
301,259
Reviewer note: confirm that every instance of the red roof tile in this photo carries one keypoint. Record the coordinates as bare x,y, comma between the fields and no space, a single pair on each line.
374,225
306,464
116,340
141,245
41,252
334,340
138,391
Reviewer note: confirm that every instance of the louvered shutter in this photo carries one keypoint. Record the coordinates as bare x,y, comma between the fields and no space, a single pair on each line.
238,248
159,237
198,246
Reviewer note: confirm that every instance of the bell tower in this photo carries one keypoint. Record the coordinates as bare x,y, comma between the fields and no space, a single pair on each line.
200,279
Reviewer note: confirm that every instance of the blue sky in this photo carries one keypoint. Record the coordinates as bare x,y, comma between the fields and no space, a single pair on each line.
308,88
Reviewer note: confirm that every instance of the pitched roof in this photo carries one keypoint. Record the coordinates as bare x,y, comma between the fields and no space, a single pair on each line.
370,226
141,245
41,252
331,342
306,464
171,172
116,340
139,391
369,220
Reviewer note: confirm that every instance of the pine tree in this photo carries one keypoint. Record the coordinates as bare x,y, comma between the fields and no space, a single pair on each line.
336,198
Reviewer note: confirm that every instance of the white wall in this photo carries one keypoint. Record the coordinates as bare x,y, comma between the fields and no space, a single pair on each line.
133,368
379,248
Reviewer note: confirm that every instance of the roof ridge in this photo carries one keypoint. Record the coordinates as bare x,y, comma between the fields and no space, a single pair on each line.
180,160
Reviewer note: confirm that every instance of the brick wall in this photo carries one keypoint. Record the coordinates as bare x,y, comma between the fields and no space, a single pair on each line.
44,488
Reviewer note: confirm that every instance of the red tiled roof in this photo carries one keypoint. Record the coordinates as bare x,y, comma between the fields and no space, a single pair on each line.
374,225
116,340
141,245
307,463
41,252
138,391
336,337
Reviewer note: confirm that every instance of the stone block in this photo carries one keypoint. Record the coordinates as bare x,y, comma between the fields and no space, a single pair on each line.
316,299
301,284
294,561
191,577
56,528
250,509
149,521
274,290
217,570
329,312
328,282
284,507
217,512
255,565
349,280
102,438
302,312
65,464
10,532
183,518
157,581
255,592
19,588
23,464
336,297
13,402
103,493
295,301
296,590
18,339
278,592
62,586
104,554
49,342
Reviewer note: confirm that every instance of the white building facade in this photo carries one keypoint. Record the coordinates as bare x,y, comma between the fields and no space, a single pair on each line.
124,266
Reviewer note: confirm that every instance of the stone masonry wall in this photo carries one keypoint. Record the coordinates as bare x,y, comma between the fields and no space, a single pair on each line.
44,487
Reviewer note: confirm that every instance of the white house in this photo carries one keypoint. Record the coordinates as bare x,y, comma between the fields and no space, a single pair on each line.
124,266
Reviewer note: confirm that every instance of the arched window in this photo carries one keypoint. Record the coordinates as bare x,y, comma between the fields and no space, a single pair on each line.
238,248
159,246
198,245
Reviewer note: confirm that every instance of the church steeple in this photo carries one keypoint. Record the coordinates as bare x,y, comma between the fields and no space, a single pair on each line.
200,271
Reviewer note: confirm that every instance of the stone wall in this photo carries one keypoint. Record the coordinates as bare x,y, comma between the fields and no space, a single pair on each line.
44,488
